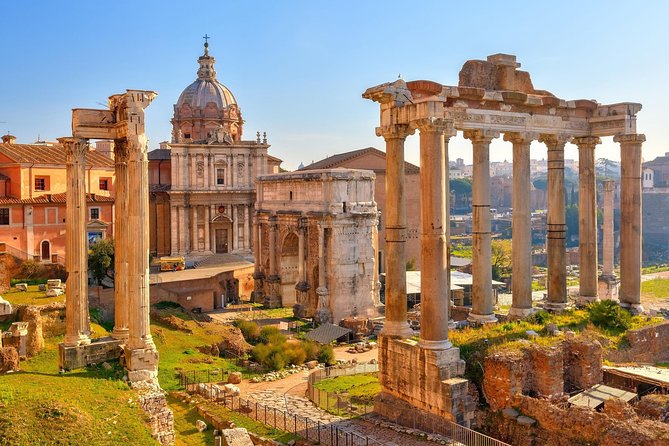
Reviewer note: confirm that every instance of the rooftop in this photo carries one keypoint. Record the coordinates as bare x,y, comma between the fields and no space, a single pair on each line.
52,155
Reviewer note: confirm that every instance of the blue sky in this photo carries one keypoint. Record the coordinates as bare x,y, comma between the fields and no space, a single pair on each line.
298,68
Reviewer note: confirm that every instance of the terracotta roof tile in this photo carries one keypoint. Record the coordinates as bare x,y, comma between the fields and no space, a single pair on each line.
337,160
54,198
55,154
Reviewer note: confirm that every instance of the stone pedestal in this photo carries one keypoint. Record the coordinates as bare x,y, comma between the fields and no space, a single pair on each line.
97,352
258,294
301,308
142,364
323,313
418,382
272,299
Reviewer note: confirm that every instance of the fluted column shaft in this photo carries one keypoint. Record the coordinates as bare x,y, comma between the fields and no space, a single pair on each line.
482,296
396,324
630,220
607,229
193,228
587,218
77,325
174,230
435,276
273,229
556,224
121,241
181,210
521,249
300,248
247,236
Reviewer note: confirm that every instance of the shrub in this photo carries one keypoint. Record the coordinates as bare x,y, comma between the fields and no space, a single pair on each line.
270,334
311,349
294,353
250,330
326,355
609,315
540,317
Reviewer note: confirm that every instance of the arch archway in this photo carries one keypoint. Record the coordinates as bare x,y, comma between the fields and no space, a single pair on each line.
289,268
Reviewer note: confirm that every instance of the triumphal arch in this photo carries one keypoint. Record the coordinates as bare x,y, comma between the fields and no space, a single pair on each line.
123,123
492,98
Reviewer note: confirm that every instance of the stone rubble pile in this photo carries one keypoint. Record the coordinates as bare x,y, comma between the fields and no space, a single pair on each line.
161,418
291,370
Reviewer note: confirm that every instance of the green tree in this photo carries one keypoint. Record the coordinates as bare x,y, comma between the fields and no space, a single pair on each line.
501,258
101,258
571,219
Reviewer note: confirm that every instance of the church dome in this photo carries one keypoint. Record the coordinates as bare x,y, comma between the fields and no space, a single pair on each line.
206,88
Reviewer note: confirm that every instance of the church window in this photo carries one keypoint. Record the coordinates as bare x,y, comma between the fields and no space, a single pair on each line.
220,176
4,216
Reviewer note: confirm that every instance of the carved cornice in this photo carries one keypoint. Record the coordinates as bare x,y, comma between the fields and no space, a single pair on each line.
396,131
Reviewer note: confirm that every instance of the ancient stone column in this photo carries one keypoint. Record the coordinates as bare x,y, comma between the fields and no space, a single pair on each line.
323,314
376,285
521,251
174,236
302,286
141,355
396,324
258,274
235,228
482,295
587,218
77,325
435,276
630,220
273,299
247,236
193,229
556,224
182,229
207,238
120,240
607,229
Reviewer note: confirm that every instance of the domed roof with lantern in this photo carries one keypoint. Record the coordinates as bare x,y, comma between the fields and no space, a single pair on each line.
205,106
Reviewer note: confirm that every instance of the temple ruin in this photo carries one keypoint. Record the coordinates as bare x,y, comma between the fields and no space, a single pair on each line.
493,97
123,123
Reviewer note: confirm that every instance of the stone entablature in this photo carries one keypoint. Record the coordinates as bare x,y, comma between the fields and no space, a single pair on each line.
315,244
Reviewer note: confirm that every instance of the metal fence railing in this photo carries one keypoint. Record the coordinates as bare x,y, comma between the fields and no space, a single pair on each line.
340,403
328,434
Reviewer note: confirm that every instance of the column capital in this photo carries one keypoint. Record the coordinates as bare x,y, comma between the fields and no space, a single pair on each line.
121,151
302,224
521,137
631,138
75,148
481,135
395,131
608,185
273,222
586,142
554,141
437,125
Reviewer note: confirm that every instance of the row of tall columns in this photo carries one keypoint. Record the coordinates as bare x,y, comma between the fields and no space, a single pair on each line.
482,295
77,324
434,236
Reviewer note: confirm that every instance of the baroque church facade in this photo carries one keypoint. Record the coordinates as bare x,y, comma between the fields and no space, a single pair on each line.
203,182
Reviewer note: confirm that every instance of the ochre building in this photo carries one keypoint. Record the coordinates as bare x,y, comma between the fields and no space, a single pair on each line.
32,198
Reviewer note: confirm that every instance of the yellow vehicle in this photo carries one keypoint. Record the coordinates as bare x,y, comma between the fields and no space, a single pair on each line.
172,263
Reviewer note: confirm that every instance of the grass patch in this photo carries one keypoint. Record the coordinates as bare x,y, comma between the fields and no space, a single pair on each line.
655,289
341,384
31,297
185,416
92,406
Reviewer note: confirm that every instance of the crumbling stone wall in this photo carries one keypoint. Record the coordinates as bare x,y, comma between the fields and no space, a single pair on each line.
648,344
557,425
9,359
161,418
43,321
541,371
